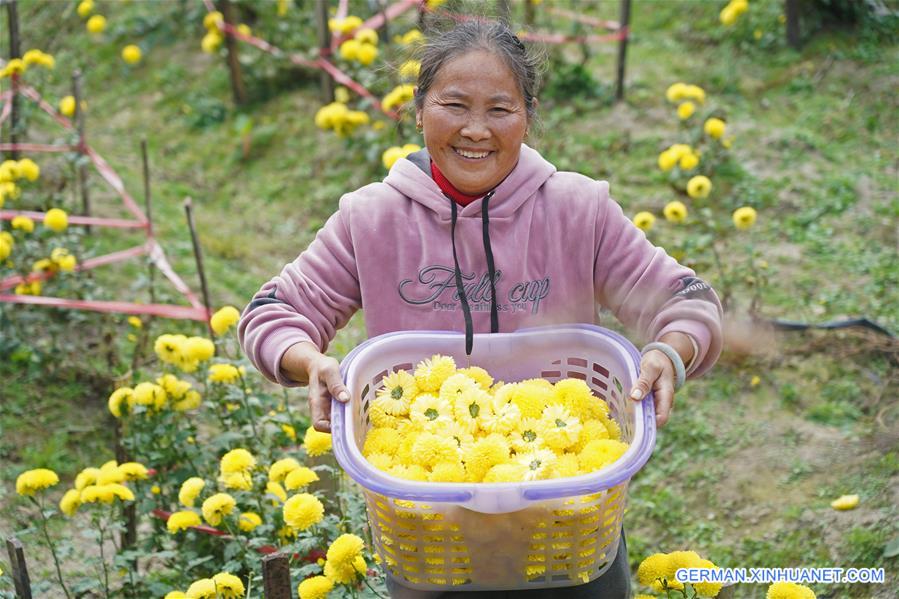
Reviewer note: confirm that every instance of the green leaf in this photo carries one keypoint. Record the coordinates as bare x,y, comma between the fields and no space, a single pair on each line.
891,549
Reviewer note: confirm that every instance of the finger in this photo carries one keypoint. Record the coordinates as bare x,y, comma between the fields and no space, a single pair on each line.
664,402
334,382
649,372
319,405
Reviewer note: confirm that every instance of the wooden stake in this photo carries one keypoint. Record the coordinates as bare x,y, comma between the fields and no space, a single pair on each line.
198,256
276,576
324,48
791,11
15,51
19,569
622,49
82,169
151,270
237,86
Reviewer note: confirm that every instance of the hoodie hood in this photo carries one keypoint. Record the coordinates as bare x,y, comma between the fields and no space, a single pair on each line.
412,177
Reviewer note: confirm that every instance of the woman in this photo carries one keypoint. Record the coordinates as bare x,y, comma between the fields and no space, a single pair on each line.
479,233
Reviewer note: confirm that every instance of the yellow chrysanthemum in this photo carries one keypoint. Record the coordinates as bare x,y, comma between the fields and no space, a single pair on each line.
223,319
454,386
530,397
86,477
344,550
211,42
241,481
190,401
228,585
31,481
565,465
131,54
70,502
591,430
699,187
430,373
410,69
471,406
22,223
202,589
538,464
281,468
176,595
667,160
110,473
599,453
685,110
577,396
676,92
315,587
655,569
96,24
169,348
560,428
430,411
381,440
675,212
346,573
379,416
644,220
224,373
106,493
506,473
688,161
85,7
134,471
316,443
248,521
707,589
448,472
527,436
198,348
789,590
299,478
612,428
218,506
273,488
714,128
56,220
483,454
237,460
409,472
122,395
182,520
67,106
430,449
744,217
302,511
397,392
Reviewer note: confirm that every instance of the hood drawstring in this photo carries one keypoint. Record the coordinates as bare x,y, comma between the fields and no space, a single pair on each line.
491,273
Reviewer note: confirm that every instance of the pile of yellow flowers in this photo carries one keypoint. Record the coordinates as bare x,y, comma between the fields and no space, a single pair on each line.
398,96
411,37
105,484
15,170
443,424
223,584
345,25
730,13
213,38
184,352
17,66
362,48
658,572
339,118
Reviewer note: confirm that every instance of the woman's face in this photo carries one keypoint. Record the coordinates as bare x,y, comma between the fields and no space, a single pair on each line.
474,121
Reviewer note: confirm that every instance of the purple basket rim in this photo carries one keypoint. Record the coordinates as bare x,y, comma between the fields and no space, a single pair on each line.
382,483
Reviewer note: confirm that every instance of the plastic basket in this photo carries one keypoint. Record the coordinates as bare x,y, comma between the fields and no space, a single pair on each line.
488,536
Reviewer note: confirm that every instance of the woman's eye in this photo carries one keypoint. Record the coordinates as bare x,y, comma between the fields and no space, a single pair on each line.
499,110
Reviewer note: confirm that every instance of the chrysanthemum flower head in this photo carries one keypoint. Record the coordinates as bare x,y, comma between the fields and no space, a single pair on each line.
644,220
789,590
448,472
133,471
316,443
182,520
714,128
560,428
505,473
453,387
675,212
276,490
32,481
577,396
699,187
430,411
56,220
110,473
409,472
566,465
430,449
478,375
379,416
483,454
241,481
123,396
228,585
224,319
655,571
198,349
744,217
224,373
707,589
302,511
169,347
471,406
218,506
346,573
685,110
528,435
397,392
190,490
237,460
86,477
344,550
502,416
29,169
591,430
315,587
281,468
202,589
538,464
381,440
299,478
600,453
430,373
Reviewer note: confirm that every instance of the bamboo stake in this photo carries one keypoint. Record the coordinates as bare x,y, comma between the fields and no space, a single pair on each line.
198,256
324,48
237,86
151,270
15,51
82,168
20,578
622,49
276,576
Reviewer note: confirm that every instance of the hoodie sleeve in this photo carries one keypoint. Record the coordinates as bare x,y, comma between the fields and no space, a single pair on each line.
648,290
313,297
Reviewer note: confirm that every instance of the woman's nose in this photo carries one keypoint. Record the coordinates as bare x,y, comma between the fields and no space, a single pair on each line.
475,130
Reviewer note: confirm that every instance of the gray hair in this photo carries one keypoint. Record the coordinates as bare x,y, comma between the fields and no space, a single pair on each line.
478,34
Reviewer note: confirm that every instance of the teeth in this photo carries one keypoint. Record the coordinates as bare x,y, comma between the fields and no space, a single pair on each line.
472,154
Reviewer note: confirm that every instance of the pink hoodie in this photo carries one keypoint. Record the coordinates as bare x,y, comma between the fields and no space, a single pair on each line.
560,244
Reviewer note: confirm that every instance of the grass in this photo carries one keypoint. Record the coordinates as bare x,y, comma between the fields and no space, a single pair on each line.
742,474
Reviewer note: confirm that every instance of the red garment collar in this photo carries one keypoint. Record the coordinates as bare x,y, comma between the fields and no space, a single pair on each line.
449,189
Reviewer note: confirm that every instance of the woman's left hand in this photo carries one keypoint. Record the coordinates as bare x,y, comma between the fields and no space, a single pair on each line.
656,375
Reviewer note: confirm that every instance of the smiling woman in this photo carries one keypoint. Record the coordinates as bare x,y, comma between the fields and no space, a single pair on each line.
479,233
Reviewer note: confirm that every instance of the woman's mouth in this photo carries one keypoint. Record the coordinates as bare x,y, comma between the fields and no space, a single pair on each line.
472,154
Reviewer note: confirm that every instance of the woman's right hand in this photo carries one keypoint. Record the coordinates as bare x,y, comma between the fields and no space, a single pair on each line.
303,363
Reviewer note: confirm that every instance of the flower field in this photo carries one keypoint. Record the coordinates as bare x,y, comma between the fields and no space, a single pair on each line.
145,456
